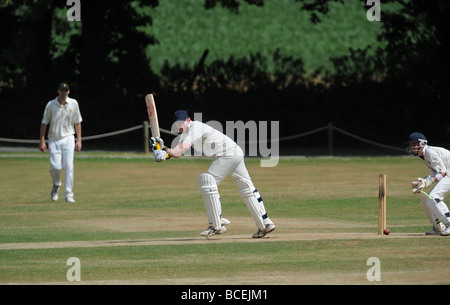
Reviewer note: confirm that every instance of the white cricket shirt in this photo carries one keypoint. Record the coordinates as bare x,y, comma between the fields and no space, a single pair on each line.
437,159
61,118
209,141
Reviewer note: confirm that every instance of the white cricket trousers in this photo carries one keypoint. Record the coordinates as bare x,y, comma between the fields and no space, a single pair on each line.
235,166
223,166
61,158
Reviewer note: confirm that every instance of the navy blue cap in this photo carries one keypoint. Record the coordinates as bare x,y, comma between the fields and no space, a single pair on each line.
64,86
180,115
416,137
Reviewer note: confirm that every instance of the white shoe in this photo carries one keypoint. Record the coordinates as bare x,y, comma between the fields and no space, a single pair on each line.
261,233
210,231
54,193
70,199
446,232
224,221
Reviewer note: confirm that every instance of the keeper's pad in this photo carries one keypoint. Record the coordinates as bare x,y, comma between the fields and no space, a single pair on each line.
429,211
211,199
253,201
437,206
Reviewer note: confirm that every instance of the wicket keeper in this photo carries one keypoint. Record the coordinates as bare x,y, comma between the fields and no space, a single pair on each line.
437,159
228,160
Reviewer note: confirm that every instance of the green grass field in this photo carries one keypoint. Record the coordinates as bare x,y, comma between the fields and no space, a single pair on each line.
138,222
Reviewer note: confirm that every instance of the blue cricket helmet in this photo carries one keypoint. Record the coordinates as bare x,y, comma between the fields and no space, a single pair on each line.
420,139
417,137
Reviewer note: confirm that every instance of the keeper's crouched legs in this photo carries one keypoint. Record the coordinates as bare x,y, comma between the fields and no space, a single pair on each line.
435,209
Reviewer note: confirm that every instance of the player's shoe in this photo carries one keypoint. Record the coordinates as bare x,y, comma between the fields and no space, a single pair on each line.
224,221
446,232
432,232
54,194
261,233
210,231
436,231
70,199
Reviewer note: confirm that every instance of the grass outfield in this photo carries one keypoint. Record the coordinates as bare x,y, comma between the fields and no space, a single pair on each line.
138,222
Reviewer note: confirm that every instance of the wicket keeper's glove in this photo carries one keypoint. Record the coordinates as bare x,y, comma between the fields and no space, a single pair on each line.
421,183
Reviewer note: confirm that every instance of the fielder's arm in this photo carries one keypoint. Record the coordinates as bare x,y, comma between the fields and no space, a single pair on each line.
42,145
78,132
179,150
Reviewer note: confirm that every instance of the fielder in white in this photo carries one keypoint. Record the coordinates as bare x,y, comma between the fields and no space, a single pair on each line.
437,159
228,160
64,117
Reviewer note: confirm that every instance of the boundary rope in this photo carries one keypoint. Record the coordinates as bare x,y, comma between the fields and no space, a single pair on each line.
85,138
348,134
304,134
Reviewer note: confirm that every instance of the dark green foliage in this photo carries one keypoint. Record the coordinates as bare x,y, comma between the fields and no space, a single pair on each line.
380,92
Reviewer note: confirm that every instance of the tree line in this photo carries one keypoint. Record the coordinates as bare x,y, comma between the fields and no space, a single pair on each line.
384,97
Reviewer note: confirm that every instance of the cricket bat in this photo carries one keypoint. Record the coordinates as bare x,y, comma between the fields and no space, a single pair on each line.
152,117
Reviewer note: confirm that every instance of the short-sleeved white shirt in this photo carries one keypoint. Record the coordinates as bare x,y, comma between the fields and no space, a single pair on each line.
61,118
437,159
209,141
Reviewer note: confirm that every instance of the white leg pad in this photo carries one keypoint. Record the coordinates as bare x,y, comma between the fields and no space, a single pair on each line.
211,199
437,206
428,211
254,203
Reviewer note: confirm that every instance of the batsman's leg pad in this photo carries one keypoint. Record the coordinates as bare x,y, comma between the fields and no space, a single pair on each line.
211,199
254,202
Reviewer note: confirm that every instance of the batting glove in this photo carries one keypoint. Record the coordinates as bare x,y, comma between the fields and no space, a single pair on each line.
160,155
155,141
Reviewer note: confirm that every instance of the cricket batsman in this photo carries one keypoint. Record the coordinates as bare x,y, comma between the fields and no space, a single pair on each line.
228,160
437,159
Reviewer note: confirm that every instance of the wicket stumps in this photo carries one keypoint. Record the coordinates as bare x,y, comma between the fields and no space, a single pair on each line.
382,204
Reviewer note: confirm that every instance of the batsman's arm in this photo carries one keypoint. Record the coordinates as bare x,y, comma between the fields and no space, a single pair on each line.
179,150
